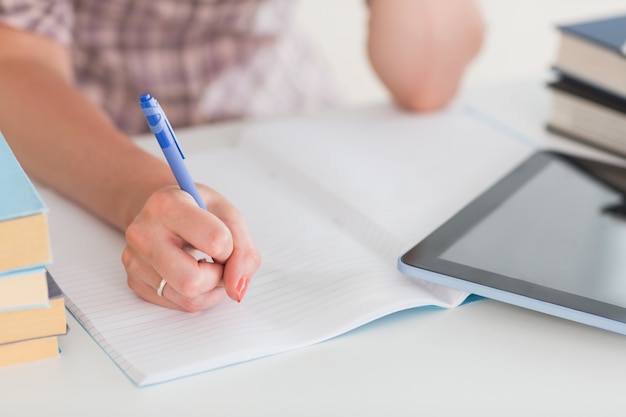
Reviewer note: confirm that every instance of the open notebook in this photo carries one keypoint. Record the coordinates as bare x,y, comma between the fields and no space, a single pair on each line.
331,200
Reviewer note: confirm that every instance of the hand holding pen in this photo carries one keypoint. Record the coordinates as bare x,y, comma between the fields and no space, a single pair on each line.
177,221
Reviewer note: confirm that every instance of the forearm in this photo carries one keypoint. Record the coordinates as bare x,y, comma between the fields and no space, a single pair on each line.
421,48
67,143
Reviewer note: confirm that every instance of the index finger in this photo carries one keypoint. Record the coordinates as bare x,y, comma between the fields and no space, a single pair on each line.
245,259
202,230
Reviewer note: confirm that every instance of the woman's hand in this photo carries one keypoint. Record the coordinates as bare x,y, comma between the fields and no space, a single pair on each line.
164,237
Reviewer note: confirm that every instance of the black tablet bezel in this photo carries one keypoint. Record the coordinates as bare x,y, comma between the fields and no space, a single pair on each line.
426,254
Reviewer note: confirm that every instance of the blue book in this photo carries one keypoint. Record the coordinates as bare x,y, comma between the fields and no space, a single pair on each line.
31,334
593,52
23,288
24,236
608,33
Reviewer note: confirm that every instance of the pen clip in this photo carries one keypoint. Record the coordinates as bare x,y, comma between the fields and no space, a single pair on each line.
173,136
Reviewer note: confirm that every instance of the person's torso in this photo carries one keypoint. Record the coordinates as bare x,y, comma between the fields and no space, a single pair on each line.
204,60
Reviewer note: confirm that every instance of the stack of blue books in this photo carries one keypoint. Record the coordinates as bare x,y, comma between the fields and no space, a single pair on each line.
589,93
32,307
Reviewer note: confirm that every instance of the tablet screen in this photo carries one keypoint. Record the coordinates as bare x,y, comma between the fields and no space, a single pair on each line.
554,230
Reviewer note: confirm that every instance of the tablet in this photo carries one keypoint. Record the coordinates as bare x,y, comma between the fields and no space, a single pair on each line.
549,236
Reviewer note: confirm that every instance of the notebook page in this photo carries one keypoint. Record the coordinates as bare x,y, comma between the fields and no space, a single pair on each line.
407,173
316,281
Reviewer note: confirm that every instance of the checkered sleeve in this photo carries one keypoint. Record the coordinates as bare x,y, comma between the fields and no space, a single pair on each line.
52,18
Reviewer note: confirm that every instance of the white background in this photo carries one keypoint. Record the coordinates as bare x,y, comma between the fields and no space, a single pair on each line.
516,29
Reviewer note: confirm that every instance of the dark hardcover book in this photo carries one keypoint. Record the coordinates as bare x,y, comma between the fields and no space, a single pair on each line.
588,114
573,86
593,52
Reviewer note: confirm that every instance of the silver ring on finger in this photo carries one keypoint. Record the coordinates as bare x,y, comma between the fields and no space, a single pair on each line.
161,287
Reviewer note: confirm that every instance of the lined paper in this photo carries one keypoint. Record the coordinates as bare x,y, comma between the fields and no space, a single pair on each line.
329,222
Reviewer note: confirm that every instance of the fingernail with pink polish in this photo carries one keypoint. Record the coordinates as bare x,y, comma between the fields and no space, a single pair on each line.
242,286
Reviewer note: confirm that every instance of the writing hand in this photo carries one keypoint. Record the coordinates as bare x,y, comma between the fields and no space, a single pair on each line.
158,247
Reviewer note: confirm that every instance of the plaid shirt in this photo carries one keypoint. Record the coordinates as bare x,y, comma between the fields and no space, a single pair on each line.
204,60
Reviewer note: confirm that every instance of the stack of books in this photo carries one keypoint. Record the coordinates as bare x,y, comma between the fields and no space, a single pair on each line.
589,93
32,307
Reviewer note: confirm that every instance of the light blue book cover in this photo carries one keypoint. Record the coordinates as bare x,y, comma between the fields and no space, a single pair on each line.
18,196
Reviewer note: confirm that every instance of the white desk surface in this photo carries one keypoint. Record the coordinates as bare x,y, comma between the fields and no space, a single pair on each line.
485,357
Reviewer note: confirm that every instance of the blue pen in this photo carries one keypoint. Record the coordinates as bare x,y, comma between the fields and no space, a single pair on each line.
162,129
